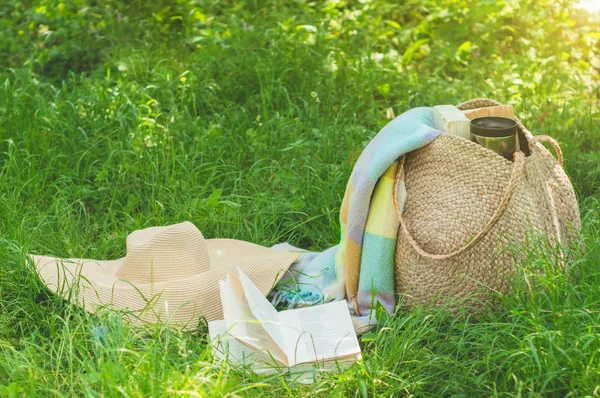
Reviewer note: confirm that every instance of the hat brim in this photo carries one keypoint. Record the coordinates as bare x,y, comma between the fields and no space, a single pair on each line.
94,284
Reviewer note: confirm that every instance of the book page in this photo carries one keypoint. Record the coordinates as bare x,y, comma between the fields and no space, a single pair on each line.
227,347
320,333
241,322
262,309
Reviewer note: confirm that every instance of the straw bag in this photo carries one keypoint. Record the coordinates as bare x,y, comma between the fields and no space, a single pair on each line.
468,212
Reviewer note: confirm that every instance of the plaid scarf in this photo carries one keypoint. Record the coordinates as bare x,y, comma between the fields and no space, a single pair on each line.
360,268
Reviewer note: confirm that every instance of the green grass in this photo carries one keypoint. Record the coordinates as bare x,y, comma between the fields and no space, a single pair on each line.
246,119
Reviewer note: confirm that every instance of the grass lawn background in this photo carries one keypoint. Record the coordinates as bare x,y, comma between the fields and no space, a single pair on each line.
246,119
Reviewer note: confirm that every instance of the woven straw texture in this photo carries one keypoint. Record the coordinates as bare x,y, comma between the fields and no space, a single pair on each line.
170,274
469,211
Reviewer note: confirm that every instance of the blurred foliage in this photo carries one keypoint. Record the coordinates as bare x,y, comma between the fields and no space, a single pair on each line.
527,45
267,57
296,57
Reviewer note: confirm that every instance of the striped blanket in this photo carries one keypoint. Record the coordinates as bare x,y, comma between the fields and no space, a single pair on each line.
360,268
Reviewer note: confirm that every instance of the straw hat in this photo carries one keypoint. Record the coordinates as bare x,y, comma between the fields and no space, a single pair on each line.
170,274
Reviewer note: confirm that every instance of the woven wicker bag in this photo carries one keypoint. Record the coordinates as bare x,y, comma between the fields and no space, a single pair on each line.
468,209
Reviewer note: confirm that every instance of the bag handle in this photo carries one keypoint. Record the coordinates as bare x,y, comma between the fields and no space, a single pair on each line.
517,171
519,162
551,141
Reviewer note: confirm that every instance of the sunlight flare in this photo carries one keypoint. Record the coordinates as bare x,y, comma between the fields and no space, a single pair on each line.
589,5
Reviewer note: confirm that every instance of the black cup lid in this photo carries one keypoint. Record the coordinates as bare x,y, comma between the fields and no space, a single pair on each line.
493,126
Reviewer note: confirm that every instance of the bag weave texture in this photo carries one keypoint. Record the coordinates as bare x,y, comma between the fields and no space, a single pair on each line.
469,211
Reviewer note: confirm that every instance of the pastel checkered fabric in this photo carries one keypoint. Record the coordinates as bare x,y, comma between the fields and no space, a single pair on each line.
361,267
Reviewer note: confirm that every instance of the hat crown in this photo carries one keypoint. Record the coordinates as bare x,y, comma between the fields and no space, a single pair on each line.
159,254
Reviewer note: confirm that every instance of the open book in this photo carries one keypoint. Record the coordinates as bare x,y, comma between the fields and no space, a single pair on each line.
254,333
